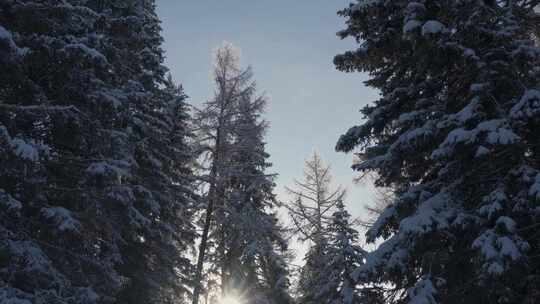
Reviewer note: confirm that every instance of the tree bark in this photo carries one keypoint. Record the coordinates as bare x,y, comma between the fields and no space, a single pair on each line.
208,220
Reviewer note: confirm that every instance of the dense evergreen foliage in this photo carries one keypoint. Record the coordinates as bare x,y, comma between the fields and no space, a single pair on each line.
454,133
108,178
255,246
328,275
94,167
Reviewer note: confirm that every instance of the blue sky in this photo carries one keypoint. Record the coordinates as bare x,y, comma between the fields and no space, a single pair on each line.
290,45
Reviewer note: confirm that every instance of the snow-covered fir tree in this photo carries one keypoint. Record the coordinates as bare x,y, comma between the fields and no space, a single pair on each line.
247,249
344,257
53,240
328,275
255,265
311,277
94,169
454,133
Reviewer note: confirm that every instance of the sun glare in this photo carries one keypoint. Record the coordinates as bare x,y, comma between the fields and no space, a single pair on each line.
231,300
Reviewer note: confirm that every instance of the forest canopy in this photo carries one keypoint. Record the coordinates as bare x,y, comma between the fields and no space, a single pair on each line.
116,187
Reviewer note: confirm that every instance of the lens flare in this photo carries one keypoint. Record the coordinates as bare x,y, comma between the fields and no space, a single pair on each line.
230,299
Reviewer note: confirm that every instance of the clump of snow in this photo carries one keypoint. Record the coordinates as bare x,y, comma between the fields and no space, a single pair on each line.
508,248
112,97
534,190
415,7
121,194
62,218
137,219
432,214
528,106
508,224
8,201
35,259
496,131
498,250
4,34
478,87
493,203
501,136
10,296
414,10
465,114
469,53
411,136
432,27
410,116
411,25
390,212
377,259
25,150
99,168
397,259
88,51
4,134
481,151
413,13
462,220
423,292
113,169
87,295
6,38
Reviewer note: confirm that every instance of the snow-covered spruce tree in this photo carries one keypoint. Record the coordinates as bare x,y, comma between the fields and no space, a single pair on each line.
158,194
313,212
159,268
81,194
328,276
312,280
254,262
53,242
454,132
344,257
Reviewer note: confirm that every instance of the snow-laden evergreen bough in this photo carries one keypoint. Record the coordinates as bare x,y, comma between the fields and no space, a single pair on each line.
94,180
455,133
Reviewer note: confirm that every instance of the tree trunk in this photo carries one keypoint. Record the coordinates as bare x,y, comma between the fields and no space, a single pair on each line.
208,220
203,245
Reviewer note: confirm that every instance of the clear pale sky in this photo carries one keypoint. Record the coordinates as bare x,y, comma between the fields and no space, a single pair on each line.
290,44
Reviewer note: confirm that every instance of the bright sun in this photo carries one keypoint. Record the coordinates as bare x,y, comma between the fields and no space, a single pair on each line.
230,300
